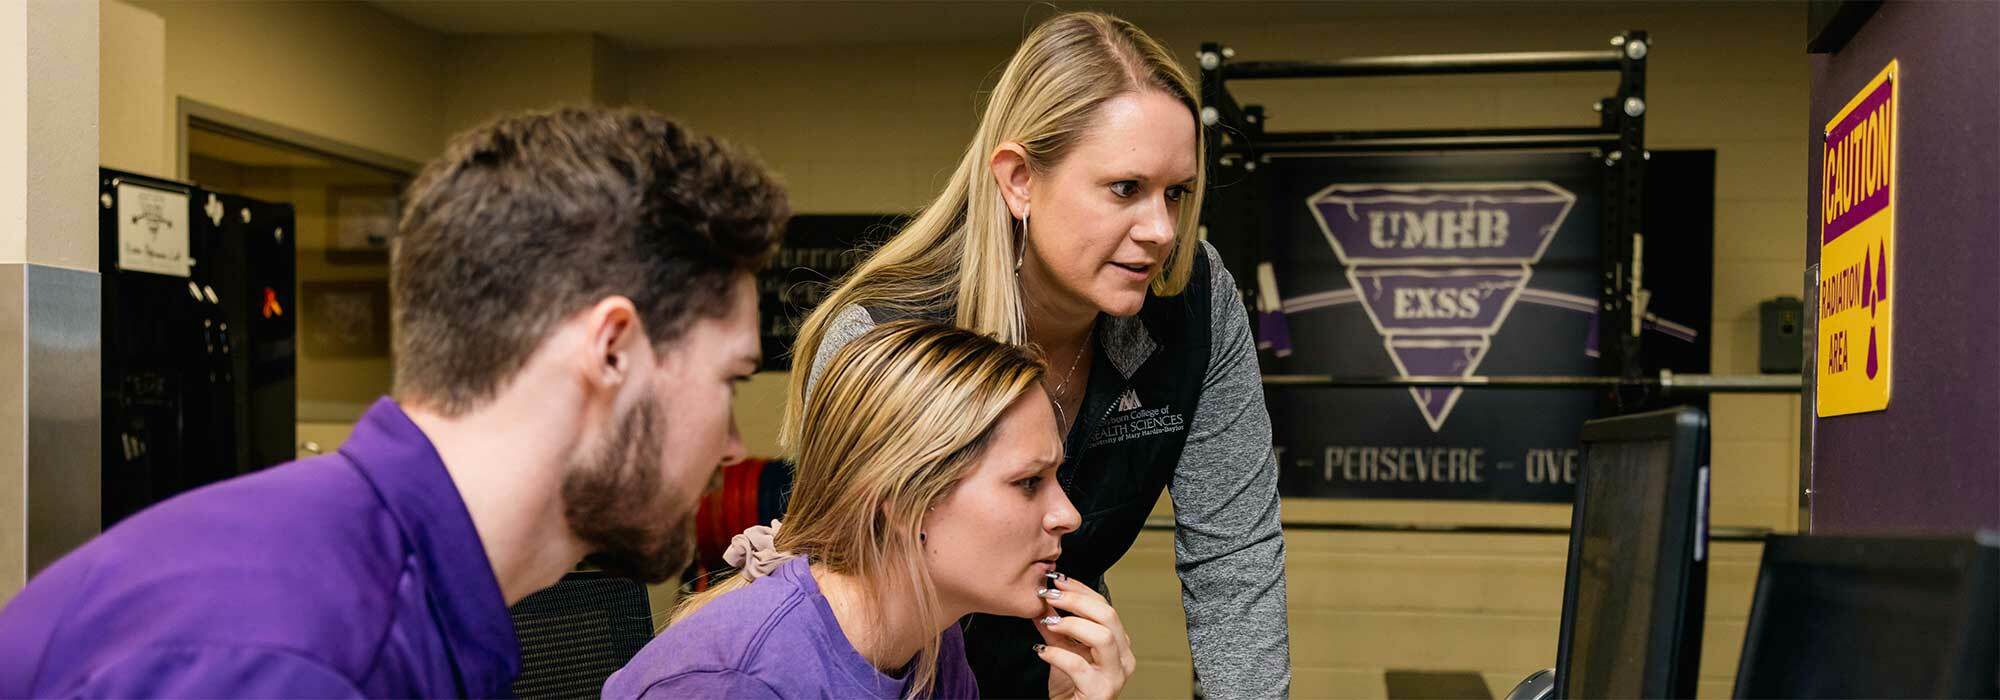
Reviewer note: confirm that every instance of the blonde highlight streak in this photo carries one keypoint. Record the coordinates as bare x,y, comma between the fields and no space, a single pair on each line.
899,418
954,260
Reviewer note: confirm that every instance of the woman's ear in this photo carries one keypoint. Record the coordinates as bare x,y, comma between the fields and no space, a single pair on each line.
1013,176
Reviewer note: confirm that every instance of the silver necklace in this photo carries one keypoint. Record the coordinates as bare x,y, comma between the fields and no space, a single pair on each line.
1056,399
1062,418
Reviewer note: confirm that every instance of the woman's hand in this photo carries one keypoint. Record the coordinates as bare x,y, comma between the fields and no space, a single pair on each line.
1088,652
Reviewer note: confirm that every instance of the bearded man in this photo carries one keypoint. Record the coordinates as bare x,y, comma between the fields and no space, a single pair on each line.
573,306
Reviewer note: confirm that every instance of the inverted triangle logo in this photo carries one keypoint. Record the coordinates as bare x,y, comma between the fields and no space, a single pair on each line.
1439,266
1436,357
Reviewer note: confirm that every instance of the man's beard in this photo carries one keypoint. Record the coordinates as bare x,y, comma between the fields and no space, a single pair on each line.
612,500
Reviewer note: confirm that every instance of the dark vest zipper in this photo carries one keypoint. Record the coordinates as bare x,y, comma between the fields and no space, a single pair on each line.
1108,406
1079,438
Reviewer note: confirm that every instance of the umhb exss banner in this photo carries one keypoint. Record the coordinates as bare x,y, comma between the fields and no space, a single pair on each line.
1439,265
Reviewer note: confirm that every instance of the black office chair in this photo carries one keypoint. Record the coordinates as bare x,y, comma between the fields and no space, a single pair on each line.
578,632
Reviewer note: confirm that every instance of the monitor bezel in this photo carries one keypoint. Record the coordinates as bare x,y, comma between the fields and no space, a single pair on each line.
1682,590
1974,559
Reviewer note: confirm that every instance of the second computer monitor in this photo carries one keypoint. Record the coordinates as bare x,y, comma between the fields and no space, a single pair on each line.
1874,617
1637,575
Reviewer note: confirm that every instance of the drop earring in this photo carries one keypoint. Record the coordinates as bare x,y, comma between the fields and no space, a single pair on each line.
1022,253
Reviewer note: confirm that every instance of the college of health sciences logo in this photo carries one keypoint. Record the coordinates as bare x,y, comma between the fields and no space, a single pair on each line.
1438,266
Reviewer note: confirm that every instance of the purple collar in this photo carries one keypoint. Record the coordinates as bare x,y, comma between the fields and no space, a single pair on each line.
393,454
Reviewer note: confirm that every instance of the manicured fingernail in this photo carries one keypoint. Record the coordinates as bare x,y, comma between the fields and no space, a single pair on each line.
1059,576
1040,647
1049,594
1051,620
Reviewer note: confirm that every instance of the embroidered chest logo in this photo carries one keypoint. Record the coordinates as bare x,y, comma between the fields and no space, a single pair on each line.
1131,420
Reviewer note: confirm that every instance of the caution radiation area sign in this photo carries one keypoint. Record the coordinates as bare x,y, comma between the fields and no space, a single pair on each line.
1857,280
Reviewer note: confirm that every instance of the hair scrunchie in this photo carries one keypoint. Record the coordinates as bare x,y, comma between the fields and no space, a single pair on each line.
755,553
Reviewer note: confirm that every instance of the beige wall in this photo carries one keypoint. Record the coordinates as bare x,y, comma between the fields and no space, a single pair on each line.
874,129
491,75
57,158
48,168
850,129
133,114
13,244
607,72
343,71
340,71
13,136
853,129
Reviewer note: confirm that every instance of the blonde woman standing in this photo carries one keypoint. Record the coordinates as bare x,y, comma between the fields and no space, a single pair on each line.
1069,224
924,493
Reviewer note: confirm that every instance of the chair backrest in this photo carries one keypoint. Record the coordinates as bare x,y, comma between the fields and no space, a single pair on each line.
578,632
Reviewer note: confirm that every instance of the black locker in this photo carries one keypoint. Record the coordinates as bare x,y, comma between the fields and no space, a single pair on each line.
199,370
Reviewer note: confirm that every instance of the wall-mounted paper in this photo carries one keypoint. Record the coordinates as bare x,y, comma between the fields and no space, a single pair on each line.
153,230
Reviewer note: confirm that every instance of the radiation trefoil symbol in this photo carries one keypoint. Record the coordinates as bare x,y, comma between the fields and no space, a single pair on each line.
1874,289
1438,267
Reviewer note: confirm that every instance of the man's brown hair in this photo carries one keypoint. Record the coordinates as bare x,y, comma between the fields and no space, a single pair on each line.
532,218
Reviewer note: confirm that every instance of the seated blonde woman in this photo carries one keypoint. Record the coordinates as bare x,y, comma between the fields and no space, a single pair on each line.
925,492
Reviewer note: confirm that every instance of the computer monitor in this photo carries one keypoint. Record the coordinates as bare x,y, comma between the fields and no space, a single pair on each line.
1873,617
1638,570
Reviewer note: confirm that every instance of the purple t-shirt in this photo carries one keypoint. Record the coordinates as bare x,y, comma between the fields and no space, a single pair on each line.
347,575
775,638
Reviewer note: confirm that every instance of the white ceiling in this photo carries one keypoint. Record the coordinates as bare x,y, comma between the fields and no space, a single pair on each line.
682,24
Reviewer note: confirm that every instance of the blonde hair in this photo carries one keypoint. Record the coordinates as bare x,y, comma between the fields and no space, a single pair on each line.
958,253
902,414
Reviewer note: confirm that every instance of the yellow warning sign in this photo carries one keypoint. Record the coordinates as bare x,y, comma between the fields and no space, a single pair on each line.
1857,245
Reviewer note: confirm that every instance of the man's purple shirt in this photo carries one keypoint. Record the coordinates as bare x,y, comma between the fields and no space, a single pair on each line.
352,574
